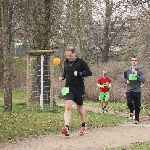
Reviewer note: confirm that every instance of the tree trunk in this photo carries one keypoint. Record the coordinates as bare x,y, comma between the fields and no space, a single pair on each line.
1,56
6,15
7,80
77,25
107,44
45,34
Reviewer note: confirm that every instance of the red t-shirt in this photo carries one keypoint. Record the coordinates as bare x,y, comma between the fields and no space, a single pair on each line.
104,81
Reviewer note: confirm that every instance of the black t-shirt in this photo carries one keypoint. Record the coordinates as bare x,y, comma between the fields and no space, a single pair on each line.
72,81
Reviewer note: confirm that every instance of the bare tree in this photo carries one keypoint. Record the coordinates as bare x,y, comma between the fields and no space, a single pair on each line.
110,18
36,27
137,2
6,16
1,53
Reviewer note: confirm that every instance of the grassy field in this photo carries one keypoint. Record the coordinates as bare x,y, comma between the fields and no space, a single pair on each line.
23,122
16,95
136,146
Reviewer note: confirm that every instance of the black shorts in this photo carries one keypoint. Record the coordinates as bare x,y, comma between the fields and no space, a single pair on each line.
77,97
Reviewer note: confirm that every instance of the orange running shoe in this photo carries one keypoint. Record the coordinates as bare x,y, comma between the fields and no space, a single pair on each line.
65,131
83,130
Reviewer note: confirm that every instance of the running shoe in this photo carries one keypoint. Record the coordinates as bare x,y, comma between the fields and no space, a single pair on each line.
106,110
65,131
83,130
102,110
135,121
131,116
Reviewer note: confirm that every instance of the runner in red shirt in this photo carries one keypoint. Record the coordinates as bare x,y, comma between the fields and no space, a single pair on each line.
104,83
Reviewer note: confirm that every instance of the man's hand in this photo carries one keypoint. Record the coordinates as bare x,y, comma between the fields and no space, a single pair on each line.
75,73
128,82
102,86
135,72
61,78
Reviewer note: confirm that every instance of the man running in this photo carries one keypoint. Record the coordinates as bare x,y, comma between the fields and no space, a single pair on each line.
134,79
75,69
104,83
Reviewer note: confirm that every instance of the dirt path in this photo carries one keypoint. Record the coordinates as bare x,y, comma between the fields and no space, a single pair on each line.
97,139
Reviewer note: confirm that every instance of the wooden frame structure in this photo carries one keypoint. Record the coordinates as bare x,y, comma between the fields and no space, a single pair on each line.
40,53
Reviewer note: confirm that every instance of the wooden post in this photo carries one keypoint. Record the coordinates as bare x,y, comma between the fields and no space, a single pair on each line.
51,81
28,80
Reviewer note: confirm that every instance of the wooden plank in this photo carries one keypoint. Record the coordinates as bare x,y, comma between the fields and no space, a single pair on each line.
51,81
28,81
40,52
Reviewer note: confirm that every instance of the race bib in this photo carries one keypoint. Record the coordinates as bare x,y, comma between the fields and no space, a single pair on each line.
106,84
132,77
65,90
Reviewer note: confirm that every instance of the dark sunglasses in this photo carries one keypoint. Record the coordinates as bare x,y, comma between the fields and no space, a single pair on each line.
134,60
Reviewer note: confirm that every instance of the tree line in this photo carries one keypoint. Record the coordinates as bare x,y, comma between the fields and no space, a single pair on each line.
99,29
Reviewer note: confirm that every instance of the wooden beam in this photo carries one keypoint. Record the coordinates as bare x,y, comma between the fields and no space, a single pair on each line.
51,81
28,81
40,52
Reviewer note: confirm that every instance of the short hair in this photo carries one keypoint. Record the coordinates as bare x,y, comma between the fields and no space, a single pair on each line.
72,49
104,71
133,57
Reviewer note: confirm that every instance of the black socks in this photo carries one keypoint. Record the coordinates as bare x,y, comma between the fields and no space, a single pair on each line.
83,124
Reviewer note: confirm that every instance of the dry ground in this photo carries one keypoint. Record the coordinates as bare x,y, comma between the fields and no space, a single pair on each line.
96,139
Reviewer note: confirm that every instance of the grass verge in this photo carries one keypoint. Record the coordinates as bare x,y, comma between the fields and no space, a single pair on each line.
16,95
135,146
23,122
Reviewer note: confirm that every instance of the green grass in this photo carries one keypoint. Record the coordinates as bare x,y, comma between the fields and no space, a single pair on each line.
1,94
23,122
136,146
118,106
15,95
112,105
